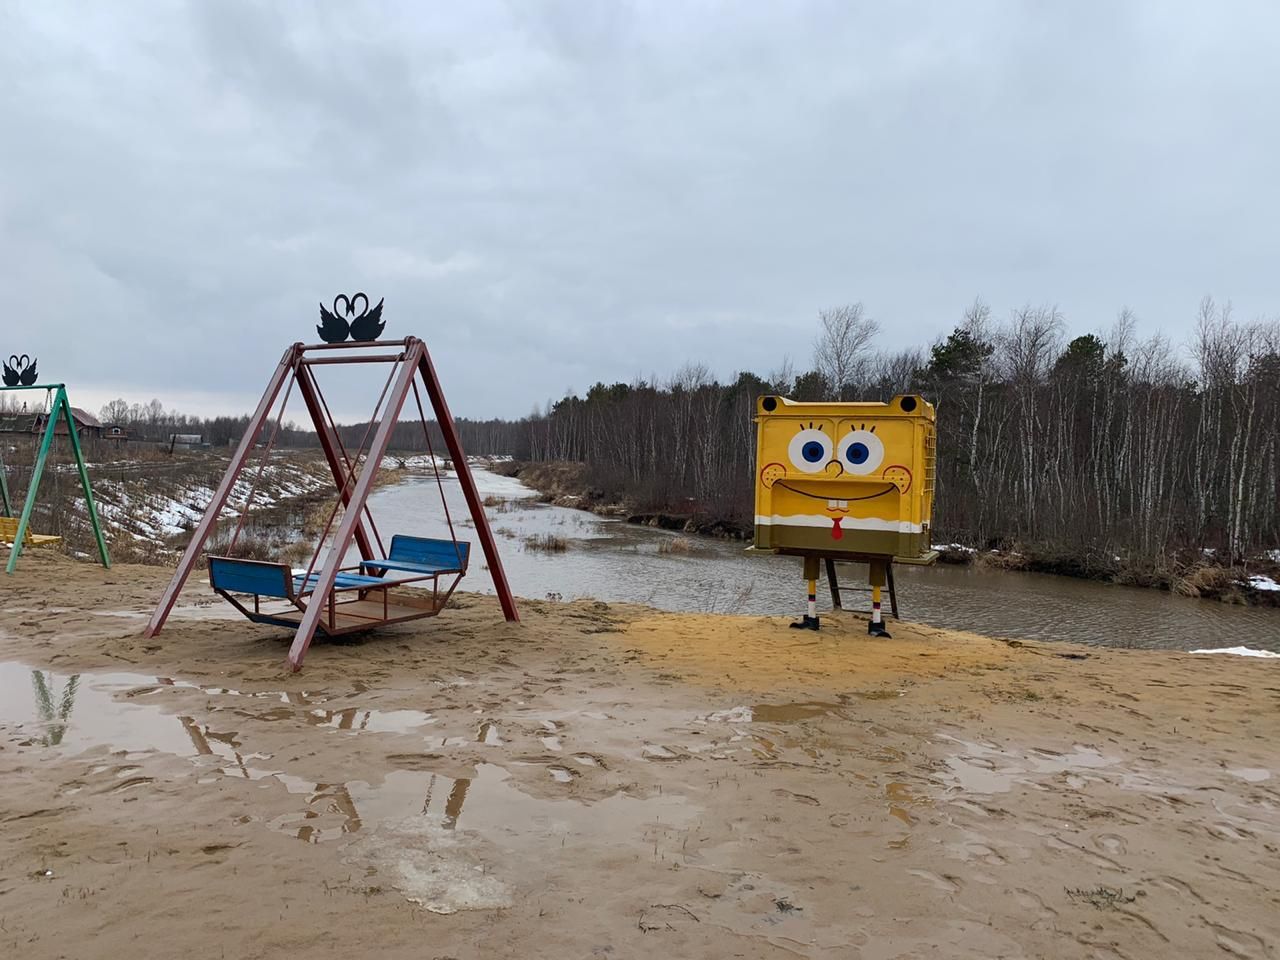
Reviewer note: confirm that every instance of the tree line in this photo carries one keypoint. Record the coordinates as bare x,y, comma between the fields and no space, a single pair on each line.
1100,445
1095,446
151,422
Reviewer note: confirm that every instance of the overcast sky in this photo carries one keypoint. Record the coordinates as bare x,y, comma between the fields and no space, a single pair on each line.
552,194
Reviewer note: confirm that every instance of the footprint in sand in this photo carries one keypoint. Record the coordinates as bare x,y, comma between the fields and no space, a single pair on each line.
1032,901
1237,942
1182,887
1110,843
654,751
945,884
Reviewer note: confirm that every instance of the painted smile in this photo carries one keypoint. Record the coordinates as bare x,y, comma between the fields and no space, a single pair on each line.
836,506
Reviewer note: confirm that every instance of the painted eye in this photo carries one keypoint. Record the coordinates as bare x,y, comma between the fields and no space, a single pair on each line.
810,450
860,452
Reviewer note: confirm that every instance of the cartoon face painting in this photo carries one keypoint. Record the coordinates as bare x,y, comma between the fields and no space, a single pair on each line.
851,478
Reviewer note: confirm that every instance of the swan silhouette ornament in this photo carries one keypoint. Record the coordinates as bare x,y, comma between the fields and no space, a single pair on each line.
351,317
19,371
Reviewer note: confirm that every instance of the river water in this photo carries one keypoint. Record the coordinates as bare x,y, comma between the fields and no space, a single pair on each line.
612,560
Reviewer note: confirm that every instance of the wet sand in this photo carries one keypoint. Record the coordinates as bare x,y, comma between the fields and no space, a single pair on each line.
610,781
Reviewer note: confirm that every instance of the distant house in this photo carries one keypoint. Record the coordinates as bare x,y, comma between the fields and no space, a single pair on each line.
113,431
186,441
87,425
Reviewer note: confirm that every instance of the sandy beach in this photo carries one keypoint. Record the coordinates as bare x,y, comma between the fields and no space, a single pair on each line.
611,781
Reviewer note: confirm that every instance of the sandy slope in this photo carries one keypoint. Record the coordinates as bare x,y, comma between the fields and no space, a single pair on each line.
611,782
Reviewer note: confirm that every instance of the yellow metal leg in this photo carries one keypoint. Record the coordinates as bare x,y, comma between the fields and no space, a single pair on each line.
876,626
810,620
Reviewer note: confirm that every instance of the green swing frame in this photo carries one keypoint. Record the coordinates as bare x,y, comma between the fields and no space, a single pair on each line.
61,407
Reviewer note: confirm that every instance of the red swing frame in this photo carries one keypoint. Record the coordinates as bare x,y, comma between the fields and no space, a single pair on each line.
411,362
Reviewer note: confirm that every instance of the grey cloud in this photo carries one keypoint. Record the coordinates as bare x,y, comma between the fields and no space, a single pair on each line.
552,194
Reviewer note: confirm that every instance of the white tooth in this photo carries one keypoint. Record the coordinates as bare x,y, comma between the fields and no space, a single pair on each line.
843,504
831,504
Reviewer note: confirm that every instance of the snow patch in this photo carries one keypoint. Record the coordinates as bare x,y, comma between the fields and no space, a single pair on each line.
1242,652
732,715
1263,583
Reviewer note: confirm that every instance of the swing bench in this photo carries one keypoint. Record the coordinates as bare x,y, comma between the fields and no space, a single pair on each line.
364,595
9,534
368,600
15,530
338,593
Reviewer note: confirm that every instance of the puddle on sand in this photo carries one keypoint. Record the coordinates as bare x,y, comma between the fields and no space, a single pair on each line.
794,712
406,820
987,769
450,844
117,710
489,803
900,798
79,712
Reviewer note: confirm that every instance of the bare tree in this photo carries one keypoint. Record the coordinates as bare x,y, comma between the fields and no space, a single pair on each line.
117,411
841,352
782,377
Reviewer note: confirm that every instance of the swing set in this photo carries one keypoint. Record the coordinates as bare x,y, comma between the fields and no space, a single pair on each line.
411,579
16,530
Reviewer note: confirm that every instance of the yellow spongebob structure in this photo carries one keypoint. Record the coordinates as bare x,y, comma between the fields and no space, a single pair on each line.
845,481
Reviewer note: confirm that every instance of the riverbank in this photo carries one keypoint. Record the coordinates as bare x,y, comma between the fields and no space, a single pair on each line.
608,780
1186,574
149,505
565,484
1257,583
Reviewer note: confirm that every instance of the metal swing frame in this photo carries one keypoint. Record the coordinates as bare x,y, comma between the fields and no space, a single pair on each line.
60,407
411,362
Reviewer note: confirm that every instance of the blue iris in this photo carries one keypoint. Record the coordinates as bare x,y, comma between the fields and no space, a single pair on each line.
813,451
857,453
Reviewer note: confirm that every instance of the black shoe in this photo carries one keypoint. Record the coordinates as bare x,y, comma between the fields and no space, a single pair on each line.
878,630
805,623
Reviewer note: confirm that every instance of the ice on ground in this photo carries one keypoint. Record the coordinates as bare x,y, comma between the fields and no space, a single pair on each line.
955,546
1242,652
434,867
1263,583
739,714
494,485
419,461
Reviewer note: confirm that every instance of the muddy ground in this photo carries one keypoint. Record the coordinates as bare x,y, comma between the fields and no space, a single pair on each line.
603,781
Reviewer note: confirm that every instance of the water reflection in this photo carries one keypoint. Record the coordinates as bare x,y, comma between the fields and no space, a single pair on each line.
615,561
53,719
126,714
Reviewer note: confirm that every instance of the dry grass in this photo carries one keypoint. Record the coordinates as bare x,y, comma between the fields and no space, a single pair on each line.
546,542
677,545
1206,580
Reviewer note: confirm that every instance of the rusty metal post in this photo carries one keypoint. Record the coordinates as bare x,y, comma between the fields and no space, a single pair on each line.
323,590
205,528
468,485
339,466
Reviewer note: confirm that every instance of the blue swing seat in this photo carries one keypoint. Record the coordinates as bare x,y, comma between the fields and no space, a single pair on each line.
423,555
